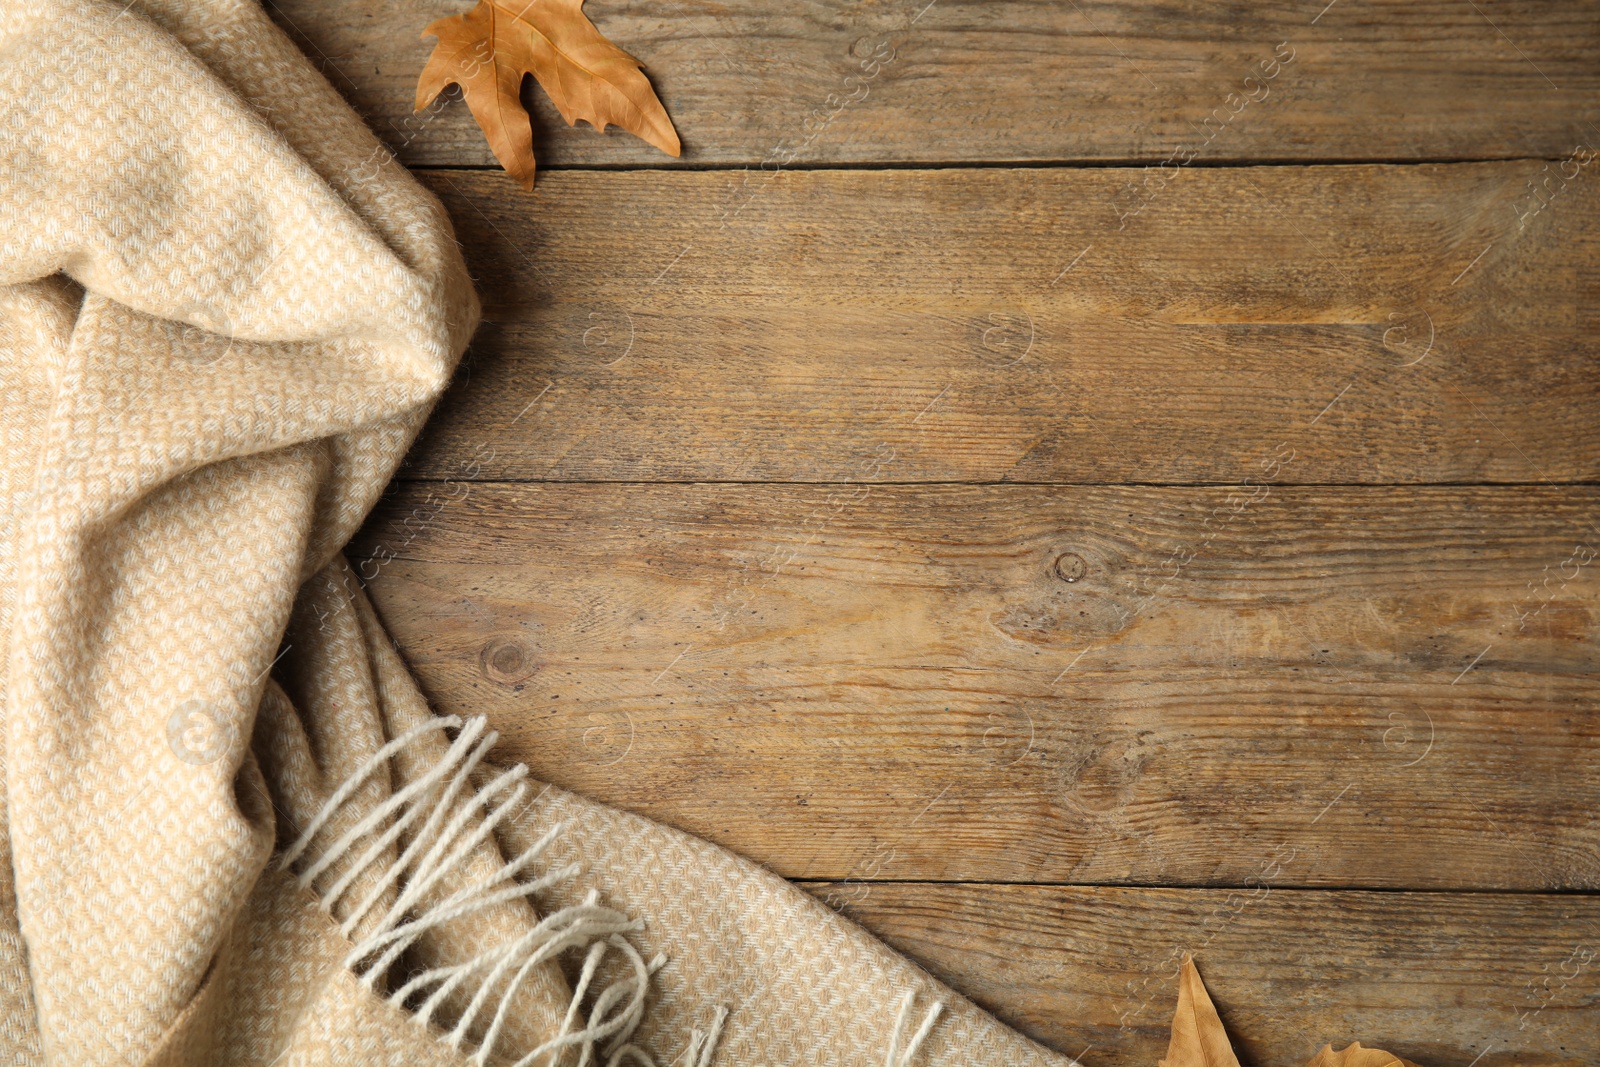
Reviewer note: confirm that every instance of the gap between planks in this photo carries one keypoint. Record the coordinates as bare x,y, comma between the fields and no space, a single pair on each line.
1129,163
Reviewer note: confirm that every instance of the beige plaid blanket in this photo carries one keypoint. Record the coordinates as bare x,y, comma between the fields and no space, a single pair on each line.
234,832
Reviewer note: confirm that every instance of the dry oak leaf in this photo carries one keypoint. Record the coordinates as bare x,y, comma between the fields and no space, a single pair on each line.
1199,1039
489,50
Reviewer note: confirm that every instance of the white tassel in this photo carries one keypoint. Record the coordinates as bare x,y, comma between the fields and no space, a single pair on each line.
354,782
441,801
702,1046
897,1058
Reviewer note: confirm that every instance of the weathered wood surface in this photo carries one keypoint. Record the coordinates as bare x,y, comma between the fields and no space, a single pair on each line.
1446,980
1022,683
864,81
1268,687
1385,324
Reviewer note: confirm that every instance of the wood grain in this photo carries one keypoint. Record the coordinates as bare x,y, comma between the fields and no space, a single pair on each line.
1446,980
1018,683
1297,683
853,81
1386,324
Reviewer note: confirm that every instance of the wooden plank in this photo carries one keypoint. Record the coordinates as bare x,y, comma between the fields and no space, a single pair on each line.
1018,683
1444,979
845,81
1383,324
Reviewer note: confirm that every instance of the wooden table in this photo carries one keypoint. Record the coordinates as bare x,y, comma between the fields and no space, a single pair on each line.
1069,482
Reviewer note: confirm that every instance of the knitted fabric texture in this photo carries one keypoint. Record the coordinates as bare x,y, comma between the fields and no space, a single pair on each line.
234,832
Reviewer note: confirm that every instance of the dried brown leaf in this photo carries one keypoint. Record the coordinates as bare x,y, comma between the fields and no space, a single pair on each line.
488,50
1198,1038
1356,1056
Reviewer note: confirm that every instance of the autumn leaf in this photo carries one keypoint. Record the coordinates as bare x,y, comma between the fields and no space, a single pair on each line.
1199,1040
489,50
1356,1056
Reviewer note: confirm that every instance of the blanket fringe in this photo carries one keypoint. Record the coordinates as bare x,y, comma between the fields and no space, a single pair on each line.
436,809
897,1057
444,804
